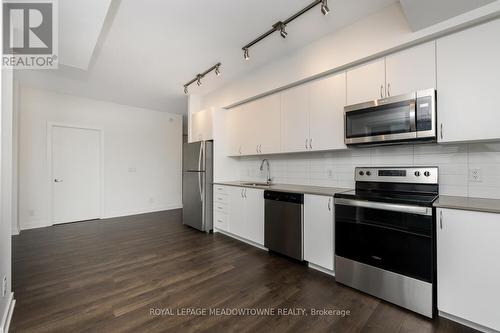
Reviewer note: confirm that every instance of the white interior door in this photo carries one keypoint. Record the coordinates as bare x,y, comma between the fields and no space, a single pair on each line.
76,174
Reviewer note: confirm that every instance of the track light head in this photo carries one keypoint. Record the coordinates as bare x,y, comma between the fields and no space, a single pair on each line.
198,79
324,7
246,54
217,70
283,32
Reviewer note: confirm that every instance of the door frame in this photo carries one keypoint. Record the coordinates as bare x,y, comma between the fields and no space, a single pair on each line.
50,126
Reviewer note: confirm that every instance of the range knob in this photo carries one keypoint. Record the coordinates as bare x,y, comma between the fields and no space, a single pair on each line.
427,174
361,173
417,173
368,173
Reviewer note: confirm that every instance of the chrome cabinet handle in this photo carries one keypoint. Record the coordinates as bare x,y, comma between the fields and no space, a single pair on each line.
311,143
330,204
388,90
441,220
260,149
245,193
242,192
239,150
306,143
58,180
381,91
441,130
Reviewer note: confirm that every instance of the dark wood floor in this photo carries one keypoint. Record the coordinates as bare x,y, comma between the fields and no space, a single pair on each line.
106,276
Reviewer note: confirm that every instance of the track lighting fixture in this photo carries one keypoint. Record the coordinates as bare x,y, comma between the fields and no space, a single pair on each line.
281,25
324,7
199,77
282,29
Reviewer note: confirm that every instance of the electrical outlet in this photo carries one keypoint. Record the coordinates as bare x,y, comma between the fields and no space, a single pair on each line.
4,286
475,175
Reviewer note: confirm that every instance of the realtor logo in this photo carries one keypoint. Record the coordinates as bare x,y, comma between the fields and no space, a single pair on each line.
30,34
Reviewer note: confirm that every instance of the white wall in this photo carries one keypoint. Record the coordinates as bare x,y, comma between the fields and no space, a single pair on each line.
370,37
149,142
6,190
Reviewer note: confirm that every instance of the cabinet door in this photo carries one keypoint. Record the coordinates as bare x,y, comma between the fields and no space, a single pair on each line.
468,82
295,119
254,214
318,230
366,82
411,70
326,116
237,211
468,268
234,125
265,124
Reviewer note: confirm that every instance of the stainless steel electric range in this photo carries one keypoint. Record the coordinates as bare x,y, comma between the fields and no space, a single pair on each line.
385,235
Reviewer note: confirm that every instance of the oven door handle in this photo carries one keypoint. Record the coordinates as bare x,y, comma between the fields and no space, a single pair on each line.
417,210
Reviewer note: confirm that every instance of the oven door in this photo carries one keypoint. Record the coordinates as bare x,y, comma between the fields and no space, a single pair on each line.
390,119
392,237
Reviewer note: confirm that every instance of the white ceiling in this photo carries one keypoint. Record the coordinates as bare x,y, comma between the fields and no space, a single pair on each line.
81,22
148,49
424,13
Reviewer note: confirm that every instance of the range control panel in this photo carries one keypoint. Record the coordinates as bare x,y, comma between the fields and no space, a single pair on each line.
416,175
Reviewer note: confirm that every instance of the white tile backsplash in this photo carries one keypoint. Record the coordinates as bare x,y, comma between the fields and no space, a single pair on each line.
336,169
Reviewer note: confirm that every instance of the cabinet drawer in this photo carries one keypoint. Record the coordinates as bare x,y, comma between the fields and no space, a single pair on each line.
220,189
221,221
221,207
221,198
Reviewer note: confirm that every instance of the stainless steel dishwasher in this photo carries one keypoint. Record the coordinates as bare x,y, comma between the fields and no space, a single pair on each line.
284,223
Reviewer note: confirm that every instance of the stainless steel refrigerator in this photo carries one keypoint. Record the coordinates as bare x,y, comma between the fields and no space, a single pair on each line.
197,187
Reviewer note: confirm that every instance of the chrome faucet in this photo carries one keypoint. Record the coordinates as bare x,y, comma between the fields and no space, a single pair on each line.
268,178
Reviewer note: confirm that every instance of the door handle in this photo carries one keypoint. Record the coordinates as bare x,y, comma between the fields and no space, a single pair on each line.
245,193
388,90
311,143
58,180
242,192
441,131
441,220
330,204
381,91
306,143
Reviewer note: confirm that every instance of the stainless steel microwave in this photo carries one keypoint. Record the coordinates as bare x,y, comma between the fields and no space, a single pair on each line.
393,120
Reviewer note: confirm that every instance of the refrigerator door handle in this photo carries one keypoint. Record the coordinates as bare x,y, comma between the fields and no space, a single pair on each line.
200,156
200,186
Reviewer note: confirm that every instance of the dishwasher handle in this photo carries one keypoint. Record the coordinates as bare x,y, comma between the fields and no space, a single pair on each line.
296,198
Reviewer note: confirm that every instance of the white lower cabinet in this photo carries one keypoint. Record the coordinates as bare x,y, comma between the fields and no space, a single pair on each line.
468,266
244,209
319,230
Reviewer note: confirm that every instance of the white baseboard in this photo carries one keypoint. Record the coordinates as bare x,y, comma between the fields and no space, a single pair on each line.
7,315
141,211
468,323
322,269
240,239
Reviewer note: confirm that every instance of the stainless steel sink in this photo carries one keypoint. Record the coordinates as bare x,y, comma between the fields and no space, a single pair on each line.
256,184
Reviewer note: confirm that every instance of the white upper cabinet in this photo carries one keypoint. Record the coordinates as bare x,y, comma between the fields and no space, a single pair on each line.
201,126
411,70
366,82
234,126
468,268
326,113
468,83
263,124
295,119
319,230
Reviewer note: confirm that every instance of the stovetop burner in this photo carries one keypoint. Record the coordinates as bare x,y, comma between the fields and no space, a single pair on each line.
402,185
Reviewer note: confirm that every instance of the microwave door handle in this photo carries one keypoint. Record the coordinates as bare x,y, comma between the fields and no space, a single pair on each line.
413,116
